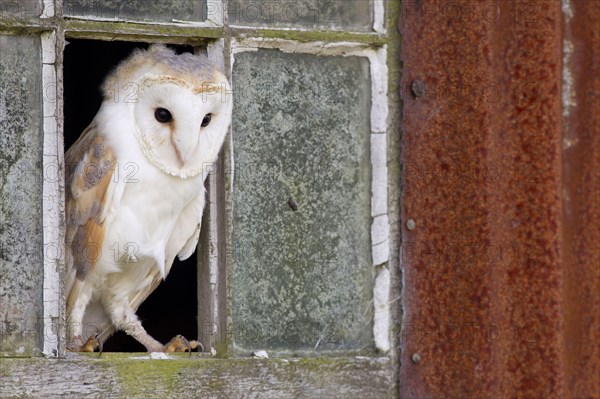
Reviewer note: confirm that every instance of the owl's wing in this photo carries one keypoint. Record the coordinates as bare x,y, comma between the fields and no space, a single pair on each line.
91,193
188,227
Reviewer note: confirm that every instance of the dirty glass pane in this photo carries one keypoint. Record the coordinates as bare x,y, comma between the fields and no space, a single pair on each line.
302,273
20,8
356,15
139,10
21,263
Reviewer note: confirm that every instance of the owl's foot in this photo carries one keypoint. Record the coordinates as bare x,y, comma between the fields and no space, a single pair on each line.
92,344
180,344
77,344
158,347
134,328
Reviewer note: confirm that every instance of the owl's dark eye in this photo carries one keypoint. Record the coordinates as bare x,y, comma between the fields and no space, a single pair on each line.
206,120
163,115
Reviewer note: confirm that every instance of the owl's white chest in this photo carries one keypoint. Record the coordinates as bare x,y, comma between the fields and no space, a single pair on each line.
148,213
143,230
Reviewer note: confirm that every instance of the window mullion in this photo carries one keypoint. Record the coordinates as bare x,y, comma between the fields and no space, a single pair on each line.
53,198
212,295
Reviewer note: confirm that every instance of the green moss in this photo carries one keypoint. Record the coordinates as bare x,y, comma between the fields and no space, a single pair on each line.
133,374
126,375
317,35
394,65
222,349
14,25
320,363
140,31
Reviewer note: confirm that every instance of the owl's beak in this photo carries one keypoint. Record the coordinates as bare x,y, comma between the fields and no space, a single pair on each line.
184,145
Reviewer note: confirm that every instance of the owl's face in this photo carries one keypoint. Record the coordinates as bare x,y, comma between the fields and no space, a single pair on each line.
181,110
182,124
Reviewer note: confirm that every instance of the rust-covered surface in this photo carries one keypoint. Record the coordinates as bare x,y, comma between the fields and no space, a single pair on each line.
581,200
501,199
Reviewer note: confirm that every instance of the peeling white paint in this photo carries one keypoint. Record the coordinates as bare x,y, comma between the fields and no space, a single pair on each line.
379,191
216,53
50,145
379,181
379,82
381,319
290,46
381,253
52,201
215,12
47,9
379,150
380,229
49,48
49,90
379,16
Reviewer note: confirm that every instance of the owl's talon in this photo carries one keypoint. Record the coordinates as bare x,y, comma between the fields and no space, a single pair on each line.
180,344
196,344
92,343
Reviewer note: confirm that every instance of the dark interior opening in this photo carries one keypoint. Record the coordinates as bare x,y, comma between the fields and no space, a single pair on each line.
172,308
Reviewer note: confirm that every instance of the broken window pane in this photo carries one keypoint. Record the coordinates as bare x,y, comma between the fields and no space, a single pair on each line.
139,10
21,263
354,15
302,273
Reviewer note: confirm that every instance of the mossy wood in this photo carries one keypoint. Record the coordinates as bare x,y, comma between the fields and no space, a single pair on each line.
123,376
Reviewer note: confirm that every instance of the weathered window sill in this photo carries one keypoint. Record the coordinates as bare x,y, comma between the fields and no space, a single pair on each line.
135,375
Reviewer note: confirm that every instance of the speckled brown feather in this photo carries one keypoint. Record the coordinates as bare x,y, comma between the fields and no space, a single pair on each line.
90,166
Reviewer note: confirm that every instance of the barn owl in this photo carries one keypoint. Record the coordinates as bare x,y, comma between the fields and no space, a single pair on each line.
135,188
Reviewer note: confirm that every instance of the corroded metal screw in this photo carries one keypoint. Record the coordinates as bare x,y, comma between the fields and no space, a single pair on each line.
416,358
410,224
417,88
